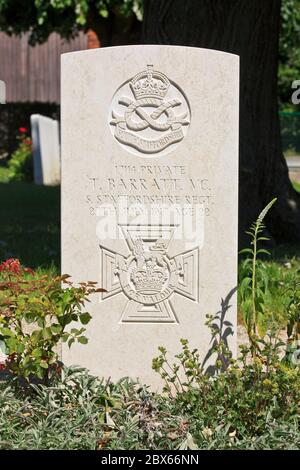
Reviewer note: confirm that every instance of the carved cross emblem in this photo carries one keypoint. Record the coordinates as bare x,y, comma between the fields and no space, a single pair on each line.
148,276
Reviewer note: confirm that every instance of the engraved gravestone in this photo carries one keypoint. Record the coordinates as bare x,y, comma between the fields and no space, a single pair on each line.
46,150
149,199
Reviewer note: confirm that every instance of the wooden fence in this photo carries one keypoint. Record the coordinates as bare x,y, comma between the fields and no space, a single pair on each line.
33,73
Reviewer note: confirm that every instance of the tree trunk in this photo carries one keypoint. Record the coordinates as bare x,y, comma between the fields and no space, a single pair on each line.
251,30
115,30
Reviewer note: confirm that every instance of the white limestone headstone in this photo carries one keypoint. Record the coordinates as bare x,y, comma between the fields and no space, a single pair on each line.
46,149
149,200
2,92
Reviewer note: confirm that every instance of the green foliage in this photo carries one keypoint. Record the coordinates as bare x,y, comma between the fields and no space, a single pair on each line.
242,396
4,174
296,186
83,412
293,317
279,275
35,312
256,282
20,165
241,402
42,17
289,52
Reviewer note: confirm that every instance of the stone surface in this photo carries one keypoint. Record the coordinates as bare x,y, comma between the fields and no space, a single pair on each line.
149,200
2,92
46,149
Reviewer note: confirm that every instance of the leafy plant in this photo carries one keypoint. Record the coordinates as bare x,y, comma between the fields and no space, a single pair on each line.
255,282
289,55
293,318
243,399
43,17
35,312
20,165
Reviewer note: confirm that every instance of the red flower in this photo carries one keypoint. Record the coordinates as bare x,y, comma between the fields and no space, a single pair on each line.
23,130
11,265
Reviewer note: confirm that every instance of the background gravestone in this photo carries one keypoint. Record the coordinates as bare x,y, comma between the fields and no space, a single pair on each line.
2,92
149,199
46,149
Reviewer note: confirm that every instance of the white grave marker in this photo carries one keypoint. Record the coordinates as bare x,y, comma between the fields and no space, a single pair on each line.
46,149
149,199
2,92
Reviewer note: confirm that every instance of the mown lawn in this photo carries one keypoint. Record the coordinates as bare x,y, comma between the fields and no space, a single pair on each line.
30,224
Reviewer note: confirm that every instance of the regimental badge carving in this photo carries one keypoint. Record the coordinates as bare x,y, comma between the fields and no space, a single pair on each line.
149,113
148,277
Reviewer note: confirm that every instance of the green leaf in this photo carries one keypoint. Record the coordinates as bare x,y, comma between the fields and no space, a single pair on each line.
85,318
44,364
82,340
246,250
46,333
3,348
36,353
262,250
245,283
104,12
56,328
65,337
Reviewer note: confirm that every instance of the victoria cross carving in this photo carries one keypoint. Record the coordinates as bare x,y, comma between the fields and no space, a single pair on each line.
149,113
148,276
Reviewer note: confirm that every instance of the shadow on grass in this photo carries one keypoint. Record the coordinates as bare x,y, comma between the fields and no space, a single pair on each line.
30,224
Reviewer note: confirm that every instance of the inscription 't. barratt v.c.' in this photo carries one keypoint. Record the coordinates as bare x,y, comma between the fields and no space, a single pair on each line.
156,114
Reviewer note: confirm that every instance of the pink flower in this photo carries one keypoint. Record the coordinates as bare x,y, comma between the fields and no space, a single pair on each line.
23,130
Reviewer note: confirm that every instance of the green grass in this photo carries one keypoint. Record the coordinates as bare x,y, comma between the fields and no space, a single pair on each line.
30,224
296,186
3,174
281,268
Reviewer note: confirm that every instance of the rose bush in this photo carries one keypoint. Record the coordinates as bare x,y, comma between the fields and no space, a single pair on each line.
35,311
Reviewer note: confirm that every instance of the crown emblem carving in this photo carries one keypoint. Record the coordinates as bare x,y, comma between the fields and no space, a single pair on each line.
149,279
150,273
149,84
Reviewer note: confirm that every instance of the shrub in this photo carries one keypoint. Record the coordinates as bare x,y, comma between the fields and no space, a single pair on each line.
34,313
246,396
243,396
21,163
